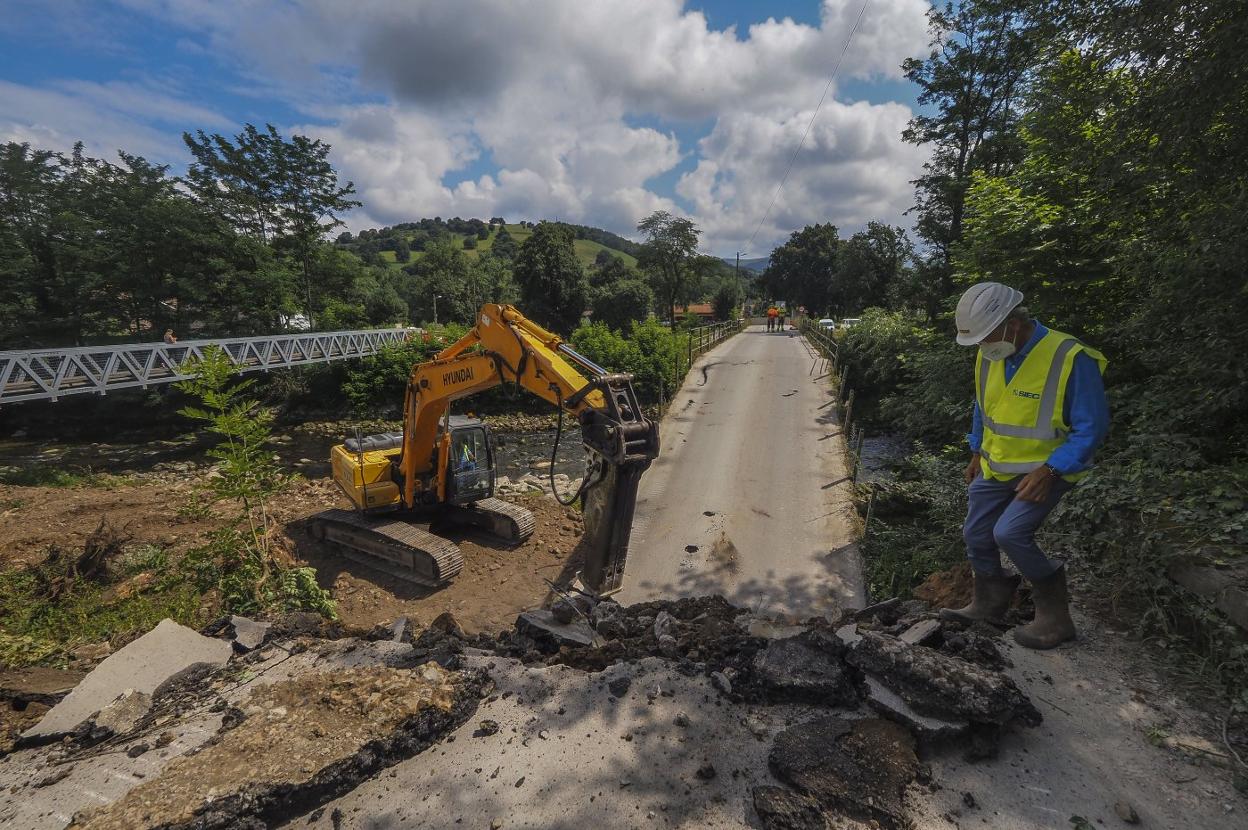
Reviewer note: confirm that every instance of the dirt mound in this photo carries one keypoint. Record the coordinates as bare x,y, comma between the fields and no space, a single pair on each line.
948,589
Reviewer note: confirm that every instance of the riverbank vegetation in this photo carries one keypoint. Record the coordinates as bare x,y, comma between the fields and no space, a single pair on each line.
1094,156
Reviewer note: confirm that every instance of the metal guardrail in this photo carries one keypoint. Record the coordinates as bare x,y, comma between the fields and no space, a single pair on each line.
701,339
48,374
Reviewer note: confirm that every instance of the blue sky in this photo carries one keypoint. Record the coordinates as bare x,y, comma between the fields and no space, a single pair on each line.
597,112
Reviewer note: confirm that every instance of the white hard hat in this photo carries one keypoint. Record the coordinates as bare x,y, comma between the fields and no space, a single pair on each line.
982,308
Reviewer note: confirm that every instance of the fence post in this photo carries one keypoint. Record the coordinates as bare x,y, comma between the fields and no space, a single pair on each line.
849,410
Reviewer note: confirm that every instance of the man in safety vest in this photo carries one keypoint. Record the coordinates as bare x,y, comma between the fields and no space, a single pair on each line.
772,314
1040,413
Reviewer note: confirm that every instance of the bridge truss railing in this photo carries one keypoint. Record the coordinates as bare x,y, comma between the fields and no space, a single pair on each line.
48,374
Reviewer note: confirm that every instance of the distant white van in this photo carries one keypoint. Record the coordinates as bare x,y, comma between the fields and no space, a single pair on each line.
850,322
827,324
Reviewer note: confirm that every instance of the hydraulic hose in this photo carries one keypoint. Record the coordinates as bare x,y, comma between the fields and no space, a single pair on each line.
554,452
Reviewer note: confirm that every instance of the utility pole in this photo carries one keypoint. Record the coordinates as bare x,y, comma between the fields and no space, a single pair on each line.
738,278
435,308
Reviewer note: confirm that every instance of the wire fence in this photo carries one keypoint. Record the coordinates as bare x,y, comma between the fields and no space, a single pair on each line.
828,365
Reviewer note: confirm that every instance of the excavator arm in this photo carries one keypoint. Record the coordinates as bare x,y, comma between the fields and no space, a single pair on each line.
503,346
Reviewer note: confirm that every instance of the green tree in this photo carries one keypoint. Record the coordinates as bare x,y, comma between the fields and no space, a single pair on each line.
973,82
726,299
874,267
283,192
241,562
668,258
620,303
443,272
402,252
552,286
505,246
804,270
610,269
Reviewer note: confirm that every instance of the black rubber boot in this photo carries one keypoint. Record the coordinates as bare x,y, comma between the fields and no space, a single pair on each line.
1052,625
992,600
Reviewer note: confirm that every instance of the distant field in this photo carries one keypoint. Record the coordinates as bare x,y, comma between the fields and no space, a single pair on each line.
586,249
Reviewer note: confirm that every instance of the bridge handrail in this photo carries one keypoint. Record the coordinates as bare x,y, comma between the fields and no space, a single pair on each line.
48,374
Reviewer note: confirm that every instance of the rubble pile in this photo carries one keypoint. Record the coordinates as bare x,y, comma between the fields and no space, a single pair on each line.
344,706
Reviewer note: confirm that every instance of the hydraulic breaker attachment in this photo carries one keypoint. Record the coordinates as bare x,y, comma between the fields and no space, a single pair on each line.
621,442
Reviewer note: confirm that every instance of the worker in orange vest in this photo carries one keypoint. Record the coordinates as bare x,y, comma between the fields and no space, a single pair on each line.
772,314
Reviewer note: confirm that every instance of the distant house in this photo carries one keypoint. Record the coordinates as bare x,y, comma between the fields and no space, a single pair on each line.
703,310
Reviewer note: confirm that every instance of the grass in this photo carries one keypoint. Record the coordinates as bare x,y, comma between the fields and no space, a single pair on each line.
49,476
586,249
37,629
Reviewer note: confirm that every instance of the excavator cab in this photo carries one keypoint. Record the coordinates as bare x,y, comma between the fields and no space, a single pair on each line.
470,465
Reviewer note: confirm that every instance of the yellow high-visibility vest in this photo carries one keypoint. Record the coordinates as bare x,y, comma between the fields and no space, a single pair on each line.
1024,420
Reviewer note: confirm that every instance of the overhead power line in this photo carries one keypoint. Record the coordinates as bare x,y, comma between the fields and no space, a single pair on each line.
800,144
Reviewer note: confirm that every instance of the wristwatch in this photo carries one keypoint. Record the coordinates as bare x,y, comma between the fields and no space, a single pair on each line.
1052,471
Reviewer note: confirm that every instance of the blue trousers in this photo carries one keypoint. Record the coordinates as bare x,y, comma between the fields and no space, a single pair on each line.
996,521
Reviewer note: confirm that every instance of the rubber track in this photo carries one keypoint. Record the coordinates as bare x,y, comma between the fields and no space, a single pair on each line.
524,520
416,555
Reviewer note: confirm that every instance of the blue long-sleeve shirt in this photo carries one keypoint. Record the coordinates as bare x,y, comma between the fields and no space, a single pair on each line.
1085,408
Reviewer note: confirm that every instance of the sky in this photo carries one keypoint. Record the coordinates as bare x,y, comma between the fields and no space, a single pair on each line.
589,111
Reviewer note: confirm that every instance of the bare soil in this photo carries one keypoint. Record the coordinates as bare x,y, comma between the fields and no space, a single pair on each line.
497,582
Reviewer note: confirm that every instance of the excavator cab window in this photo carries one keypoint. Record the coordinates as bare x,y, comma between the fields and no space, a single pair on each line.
470,469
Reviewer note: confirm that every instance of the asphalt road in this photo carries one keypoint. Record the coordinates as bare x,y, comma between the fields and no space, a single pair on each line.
750,495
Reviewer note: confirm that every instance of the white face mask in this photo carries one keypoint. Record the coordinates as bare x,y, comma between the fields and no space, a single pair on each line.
999,350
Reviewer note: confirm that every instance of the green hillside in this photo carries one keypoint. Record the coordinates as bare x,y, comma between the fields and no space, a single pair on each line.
586,249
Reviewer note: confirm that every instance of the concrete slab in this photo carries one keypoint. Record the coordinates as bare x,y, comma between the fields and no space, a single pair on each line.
144,664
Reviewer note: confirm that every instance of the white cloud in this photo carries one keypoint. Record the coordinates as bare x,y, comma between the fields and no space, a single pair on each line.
852,169
563,95
106,117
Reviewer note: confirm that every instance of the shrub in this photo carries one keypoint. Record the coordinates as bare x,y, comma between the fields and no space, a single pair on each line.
649,352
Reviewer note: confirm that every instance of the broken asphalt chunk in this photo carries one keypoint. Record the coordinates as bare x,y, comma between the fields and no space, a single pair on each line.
921,633
929,730
886,611
942,686
782,809
124,712
805,668
550,633
858,767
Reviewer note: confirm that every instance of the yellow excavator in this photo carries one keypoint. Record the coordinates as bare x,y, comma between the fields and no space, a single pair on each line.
440,468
